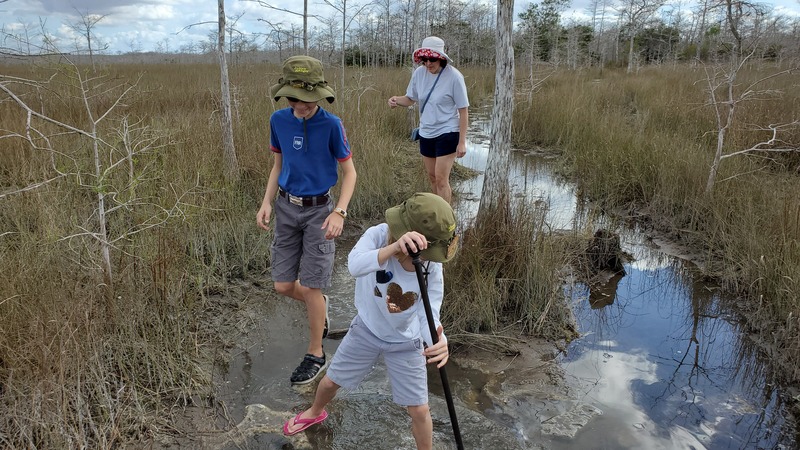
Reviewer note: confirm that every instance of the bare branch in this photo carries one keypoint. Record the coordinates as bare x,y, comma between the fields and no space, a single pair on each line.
30,187
279,30
176,210
119,99
267,5
751,87
41,116
357,14
768,145
214,22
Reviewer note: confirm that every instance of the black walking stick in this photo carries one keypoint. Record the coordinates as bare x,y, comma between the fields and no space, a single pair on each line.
423,288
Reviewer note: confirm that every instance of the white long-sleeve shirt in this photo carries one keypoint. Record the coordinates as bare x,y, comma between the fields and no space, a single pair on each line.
393,310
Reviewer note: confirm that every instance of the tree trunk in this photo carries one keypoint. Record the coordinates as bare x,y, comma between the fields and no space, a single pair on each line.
89,44
229,151
712,174
344,38
105,248
630,55
305,27
722,128
702,31
495,181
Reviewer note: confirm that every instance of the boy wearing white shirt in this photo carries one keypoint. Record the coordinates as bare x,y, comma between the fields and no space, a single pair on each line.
391,318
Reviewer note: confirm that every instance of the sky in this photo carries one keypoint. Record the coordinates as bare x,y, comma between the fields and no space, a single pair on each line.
167,25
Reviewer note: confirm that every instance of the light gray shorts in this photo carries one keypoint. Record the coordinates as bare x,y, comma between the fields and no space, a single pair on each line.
405,363
299,250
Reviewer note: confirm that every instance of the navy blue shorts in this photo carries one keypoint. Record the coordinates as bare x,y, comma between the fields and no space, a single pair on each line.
442,145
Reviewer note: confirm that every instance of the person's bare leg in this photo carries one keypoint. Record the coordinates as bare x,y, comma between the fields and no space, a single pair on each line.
326,391
315,310
421,426
443,167
430,169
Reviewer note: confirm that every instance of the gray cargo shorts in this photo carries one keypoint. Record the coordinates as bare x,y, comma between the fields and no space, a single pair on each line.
299,250
405,364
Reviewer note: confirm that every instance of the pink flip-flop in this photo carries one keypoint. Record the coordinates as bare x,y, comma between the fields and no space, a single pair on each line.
304,422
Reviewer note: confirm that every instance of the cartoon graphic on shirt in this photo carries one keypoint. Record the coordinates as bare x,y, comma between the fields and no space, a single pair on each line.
397,300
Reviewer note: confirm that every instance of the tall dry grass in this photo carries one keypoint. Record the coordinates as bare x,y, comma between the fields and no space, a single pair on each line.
86,365
505,280
647,141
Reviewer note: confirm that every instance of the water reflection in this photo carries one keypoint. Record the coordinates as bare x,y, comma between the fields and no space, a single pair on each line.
662,355
664,361
529,177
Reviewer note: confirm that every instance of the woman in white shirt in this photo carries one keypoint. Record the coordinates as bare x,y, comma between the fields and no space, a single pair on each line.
440,90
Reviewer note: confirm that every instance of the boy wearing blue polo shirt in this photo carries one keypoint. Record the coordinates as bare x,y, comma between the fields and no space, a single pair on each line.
308,145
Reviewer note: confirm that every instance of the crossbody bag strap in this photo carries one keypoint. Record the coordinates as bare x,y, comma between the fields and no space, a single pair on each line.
431,91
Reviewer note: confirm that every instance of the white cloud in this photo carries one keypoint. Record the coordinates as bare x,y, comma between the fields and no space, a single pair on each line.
138,13
146,22
787,11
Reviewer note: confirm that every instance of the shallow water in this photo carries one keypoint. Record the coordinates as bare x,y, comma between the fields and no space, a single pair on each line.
664,358
661,363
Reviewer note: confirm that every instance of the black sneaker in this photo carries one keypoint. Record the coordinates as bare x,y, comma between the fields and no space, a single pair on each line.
327,318
309,369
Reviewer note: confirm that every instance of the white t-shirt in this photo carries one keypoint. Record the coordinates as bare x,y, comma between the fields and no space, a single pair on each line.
390,303
441,110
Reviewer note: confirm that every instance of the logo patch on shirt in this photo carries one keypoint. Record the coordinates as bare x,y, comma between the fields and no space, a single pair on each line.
297,142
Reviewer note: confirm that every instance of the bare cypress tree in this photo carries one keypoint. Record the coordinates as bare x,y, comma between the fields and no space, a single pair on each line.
341,6
85,27
726,92
110,184
278,27
701,28
495,181
636,14
229,150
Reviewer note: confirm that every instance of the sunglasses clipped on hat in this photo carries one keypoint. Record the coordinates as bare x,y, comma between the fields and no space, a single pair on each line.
303,80
431,216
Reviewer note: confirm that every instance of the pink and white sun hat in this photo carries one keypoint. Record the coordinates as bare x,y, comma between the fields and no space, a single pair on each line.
432,47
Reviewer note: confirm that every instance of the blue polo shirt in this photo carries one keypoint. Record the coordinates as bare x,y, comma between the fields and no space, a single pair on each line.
311,150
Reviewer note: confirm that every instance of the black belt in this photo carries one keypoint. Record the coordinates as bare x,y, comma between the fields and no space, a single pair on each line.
304,201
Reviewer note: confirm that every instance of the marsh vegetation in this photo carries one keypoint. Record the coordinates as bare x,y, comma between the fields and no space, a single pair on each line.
106,333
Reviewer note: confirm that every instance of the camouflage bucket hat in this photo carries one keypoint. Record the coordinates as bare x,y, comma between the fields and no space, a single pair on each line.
303,79
430,215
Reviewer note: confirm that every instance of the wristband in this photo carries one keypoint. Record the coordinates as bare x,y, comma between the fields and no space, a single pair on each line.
340,212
